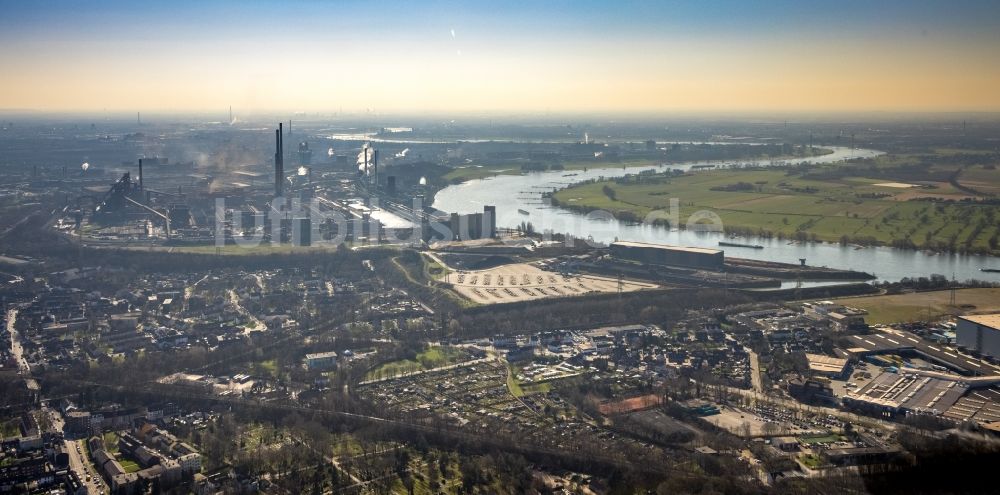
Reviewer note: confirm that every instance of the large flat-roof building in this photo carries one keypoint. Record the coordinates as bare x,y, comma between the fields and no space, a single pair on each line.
826,365
912,391
663,254
979,333
321,360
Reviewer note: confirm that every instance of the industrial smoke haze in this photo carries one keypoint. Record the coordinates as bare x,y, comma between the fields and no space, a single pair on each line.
365,159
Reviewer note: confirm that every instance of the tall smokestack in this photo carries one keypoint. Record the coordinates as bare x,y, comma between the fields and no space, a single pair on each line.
279,165
140,174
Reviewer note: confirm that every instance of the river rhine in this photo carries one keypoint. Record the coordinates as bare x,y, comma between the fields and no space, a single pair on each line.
511,193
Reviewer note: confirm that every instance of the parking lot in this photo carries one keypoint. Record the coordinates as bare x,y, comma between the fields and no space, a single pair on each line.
861,374
782,421
523,282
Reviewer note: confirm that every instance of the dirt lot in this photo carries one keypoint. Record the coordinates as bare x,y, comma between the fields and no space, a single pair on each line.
736,421
523,281
925,305
733,420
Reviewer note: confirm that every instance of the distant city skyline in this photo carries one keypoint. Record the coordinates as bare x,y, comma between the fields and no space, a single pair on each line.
617,57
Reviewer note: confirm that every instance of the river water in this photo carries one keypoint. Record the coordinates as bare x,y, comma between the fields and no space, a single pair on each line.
511,193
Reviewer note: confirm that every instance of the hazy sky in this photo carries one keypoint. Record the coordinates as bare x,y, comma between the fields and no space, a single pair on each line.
412,56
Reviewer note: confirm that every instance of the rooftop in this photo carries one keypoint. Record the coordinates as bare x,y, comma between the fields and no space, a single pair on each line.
826,364
981,406
990,320
912,391
881,343
322,355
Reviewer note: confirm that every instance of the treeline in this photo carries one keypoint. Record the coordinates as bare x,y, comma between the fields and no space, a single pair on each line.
933,282
657,307
404,269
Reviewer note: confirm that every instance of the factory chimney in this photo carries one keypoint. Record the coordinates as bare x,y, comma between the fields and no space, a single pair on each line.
140,174
279,162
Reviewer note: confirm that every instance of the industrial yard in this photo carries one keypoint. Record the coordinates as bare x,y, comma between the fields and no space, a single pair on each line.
526,282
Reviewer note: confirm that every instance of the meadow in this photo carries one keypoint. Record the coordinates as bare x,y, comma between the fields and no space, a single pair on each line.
876,203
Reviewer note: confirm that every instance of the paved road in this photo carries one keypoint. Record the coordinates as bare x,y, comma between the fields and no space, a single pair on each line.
18,352
82,467
77,456
755,379
257,325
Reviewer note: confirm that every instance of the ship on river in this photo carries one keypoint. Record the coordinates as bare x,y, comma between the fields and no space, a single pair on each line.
737,244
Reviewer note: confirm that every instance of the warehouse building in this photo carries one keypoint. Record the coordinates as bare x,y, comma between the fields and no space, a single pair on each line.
899,394
827,365
979,333
663,254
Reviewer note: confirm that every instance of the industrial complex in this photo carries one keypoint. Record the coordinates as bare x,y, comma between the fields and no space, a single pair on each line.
346,199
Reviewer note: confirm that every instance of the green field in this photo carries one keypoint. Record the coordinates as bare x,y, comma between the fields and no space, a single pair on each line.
10,428
433,357
267,368
129,466
811,461
518,389
815,439
432,269
111,442
777,203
